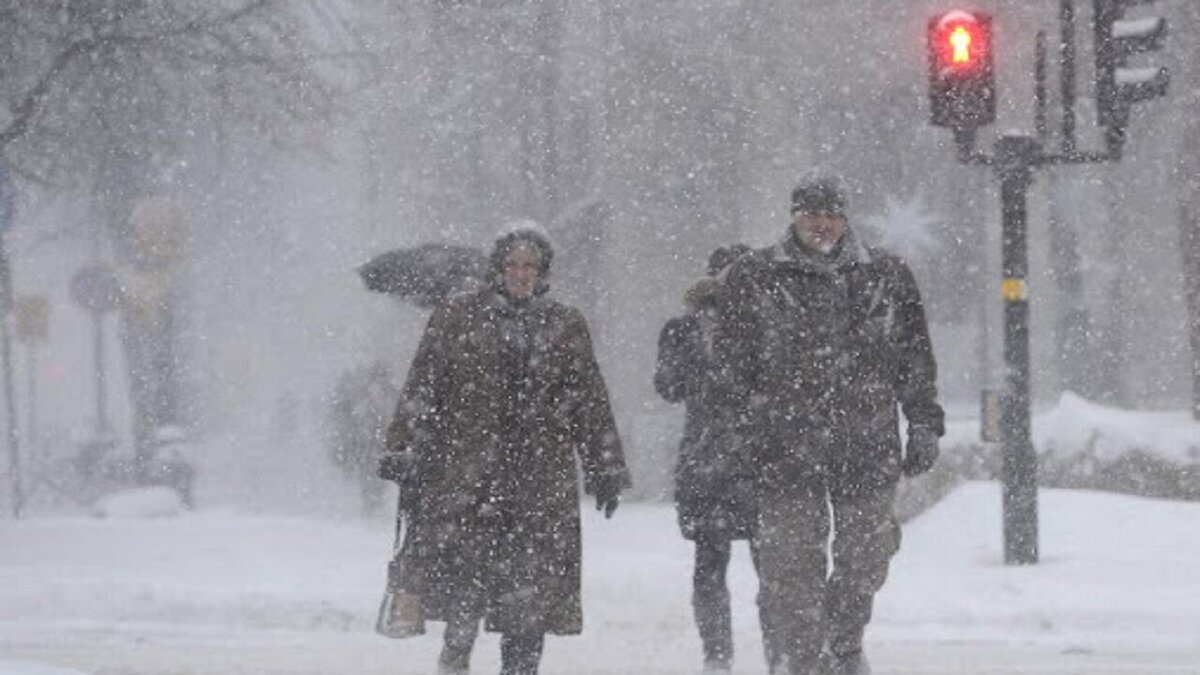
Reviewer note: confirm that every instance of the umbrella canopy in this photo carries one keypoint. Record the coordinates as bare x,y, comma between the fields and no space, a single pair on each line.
425,274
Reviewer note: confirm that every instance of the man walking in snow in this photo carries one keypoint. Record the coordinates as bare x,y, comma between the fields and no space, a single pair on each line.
827,338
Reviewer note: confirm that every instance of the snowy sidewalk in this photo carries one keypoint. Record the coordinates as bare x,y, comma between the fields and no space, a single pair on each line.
1117,591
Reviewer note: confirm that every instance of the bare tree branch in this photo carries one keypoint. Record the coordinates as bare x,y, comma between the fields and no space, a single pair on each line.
30,105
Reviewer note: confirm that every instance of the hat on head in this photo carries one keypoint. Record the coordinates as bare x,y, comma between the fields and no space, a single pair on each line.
723,257
703,293
522,233
820,193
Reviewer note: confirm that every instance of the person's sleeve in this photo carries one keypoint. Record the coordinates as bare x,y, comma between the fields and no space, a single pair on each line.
917,373
677,371
739,329
419,413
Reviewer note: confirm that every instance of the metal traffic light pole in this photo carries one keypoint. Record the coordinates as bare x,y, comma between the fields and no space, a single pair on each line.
964,100
1014,159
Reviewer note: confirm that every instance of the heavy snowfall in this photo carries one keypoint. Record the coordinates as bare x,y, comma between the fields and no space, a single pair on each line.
225,226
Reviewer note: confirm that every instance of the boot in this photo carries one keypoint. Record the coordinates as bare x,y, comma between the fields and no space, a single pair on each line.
457,643
849,664
717,667
521,654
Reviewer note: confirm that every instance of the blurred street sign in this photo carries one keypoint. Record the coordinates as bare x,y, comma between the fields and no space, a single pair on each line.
156,229
8,199
95,287
991,412
33,313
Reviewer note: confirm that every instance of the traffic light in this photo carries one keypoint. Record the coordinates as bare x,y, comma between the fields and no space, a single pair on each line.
962,81
1116,39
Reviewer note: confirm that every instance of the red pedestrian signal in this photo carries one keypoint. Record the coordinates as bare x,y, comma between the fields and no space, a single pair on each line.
962,91
960,44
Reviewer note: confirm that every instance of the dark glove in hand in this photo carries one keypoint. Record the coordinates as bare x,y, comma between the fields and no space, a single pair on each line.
392,466
921,451
608,496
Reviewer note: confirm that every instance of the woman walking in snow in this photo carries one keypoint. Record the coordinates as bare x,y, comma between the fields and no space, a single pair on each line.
503,394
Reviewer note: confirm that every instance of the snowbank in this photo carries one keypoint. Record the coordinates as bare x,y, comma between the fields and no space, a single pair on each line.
147,502
1075,426
1080,445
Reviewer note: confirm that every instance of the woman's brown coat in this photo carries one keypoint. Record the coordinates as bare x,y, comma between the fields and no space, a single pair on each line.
494,523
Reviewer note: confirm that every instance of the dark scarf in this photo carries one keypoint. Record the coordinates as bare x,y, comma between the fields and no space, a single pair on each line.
846,252
519,325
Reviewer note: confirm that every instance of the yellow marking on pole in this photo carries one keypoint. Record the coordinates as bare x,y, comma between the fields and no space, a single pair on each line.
1014,290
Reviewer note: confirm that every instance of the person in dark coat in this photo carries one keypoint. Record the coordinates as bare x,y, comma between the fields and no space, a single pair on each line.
714,489
828,343
503,395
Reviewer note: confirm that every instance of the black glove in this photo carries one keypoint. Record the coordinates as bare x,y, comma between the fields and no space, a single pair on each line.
393,466
921,451
608,495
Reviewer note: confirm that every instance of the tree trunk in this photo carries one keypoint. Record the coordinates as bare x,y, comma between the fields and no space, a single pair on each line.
1189,246
1189,212
539,83
1111,344
1071,322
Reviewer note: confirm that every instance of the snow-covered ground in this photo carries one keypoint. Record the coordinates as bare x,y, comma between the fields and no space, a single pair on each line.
227,591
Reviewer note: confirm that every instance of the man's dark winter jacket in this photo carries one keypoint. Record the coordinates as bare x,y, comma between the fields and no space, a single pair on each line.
823,348
714,492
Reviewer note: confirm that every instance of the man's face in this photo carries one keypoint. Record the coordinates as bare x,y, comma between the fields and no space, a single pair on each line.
819,231
522,267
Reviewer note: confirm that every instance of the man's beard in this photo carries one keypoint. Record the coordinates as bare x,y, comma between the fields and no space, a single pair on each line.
819,245
825,247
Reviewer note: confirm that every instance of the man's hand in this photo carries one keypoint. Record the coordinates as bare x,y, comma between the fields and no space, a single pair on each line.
921,451
608,496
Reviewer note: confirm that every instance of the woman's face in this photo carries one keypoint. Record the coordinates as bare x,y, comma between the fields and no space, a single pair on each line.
522,267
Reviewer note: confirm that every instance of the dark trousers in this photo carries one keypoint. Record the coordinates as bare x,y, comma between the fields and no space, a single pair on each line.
808,608
710,599
520,654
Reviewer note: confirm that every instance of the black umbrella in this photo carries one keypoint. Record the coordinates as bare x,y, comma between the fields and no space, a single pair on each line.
425,274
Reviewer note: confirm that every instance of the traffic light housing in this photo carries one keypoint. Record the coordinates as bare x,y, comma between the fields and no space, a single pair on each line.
962,81
1116,39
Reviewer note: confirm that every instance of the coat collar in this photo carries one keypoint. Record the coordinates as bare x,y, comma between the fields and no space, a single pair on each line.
850,251
500,303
